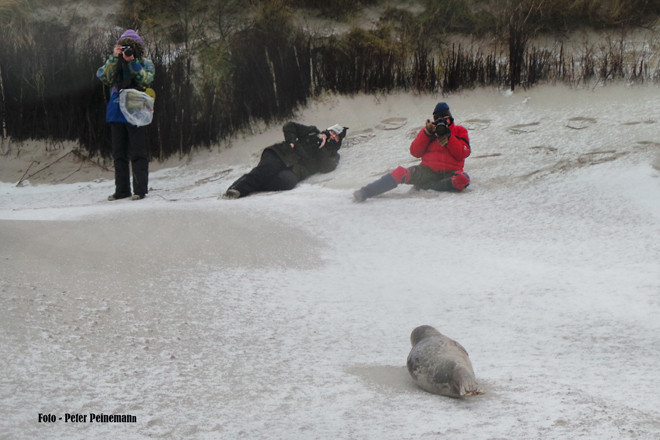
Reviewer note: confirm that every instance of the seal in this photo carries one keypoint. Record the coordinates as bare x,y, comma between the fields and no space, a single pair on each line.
440,365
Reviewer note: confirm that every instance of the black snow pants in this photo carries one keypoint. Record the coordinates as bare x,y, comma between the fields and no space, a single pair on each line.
271,174
129,144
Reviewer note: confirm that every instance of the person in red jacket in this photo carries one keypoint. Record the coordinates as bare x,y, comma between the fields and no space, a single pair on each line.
443,147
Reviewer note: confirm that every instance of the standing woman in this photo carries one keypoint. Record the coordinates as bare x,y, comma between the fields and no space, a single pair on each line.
127,68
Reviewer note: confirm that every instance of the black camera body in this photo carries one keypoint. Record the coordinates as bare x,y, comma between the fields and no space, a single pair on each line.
441,128
128,50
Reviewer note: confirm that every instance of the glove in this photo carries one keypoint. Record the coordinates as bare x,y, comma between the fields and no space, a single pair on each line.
429,130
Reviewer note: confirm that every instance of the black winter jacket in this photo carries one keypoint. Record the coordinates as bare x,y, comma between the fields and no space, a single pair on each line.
306,158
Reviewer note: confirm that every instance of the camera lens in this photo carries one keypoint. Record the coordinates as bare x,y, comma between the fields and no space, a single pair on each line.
441,128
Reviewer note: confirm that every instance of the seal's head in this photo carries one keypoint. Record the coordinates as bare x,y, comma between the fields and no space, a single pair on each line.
422,332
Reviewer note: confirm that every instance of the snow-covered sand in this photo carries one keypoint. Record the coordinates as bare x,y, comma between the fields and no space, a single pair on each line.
287,315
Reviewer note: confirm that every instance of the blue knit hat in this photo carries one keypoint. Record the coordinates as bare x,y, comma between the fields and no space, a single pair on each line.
442,109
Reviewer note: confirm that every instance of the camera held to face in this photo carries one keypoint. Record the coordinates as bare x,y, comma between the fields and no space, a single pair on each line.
441,128
127,50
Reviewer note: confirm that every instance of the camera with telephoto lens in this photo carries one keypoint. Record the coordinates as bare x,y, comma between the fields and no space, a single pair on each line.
128,51
441,128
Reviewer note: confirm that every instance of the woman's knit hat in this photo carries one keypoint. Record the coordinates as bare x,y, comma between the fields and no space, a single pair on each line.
132,39
130,33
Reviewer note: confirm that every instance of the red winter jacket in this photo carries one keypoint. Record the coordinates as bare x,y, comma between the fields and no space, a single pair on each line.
442,157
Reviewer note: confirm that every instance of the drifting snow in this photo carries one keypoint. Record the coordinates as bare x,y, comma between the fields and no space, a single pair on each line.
287,315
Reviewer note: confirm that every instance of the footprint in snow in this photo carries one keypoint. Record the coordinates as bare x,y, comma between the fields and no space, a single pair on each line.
414,131
484,156
579,123
648,121
477,124
597,157
523,128
358,137
544,149
392,123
